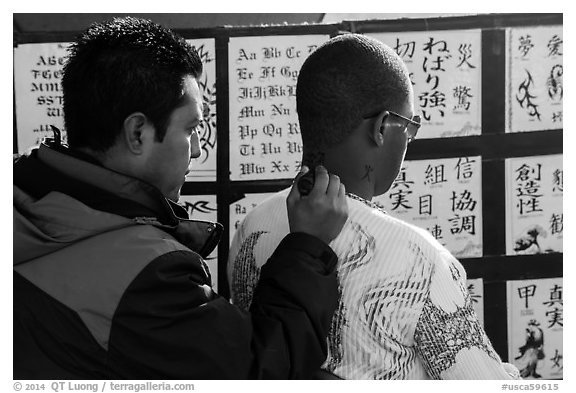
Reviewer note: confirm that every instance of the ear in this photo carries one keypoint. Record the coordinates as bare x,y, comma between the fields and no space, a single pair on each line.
136,132
378,128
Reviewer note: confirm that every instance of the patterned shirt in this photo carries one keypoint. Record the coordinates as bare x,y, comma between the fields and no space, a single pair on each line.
404,311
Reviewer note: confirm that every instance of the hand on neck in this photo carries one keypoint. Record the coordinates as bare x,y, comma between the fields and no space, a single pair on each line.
355,172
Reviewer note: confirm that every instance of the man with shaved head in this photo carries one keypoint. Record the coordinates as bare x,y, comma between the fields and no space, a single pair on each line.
404,311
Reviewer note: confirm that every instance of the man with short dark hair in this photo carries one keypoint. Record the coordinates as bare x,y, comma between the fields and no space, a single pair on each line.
404,310
109,280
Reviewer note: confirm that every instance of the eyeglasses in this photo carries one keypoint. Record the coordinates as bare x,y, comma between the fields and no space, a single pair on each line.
412,125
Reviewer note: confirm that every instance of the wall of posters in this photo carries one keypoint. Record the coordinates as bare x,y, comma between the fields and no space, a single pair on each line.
535,327
534,209
534,78
443,196
522,60
204,208
446,71
265,141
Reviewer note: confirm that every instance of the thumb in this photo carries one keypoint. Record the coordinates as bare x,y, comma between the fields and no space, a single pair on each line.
294,192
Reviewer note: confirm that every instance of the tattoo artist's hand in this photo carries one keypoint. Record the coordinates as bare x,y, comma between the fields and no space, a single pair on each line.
321,213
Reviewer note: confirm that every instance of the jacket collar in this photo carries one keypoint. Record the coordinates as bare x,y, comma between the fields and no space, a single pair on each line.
120,194
115,183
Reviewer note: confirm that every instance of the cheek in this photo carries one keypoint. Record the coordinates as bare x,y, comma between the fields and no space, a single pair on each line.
173,160
390,164
396,146
187,148
182,149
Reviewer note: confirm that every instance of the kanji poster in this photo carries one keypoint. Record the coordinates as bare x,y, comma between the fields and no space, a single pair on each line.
534,204
446,72
534,78
443,196
535,327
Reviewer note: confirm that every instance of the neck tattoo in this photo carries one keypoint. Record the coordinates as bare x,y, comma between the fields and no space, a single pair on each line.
368,173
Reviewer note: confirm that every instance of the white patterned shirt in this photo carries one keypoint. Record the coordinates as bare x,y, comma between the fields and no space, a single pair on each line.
404,311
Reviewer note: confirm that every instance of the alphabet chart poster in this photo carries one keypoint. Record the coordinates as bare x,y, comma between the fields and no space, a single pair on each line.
443,196
534,205
265,140
534,78
535,327
38,92
446,72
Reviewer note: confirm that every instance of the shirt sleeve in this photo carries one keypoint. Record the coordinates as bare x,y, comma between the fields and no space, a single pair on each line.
171,324
449,338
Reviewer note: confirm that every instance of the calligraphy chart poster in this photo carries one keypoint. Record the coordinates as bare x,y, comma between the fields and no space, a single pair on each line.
265,140
534,211
38,91
534,74
443,196
204,167
241,208
446,72
204,208
535,327
476,291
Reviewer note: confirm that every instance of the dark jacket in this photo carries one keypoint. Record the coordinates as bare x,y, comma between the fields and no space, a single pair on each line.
109,283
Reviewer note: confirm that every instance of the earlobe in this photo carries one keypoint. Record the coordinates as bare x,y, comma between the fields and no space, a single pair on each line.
134,132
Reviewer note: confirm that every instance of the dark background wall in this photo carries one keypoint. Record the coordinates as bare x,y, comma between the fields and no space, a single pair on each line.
75,22
42,22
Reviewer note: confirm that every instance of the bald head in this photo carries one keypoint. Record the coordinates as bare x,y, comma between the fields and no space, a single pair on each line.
345,79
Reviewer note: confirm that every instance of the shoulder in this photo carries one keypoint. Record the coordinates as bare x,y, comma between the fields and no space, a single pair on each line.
272,204
448,287
146,249
391,231
172,267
